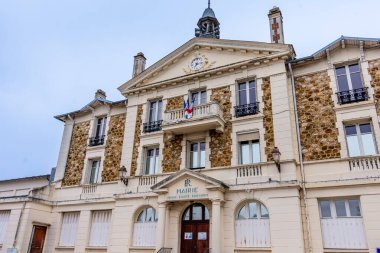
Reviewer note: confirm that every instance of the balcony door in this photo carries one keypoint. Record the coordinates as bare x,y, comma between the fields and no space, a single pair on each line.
38,239
155,111
247,93
349,77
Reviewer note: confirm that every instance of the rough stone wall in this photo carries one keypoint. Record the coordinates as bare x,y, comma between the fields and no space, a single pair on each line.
220,143
112,153
136,141
77,154
174,103
171,161
374,71
317,119
268,119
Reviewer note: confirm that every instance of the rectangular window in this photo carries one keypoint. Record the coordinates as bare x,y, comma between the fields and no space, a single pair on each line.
155,111
349,77
69,229
250,152
360,140
100,228
199,98
247,92
4,219
101,127
197,155
151,162
94,171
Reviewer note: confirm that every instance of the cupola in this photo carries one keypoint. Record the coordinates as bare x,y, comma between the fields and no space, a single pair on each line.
208,25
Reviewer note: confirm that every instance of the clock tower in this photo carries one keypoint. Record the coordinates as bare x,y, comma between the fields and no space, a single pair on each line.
208,25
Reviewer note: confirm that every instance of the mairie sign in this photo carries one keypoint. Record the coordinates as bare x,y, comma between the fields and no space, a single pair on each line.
187,192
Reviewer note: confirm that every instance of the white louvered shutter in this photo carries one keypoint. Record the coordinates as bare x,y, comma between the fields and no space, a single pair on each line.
69,229
4,218
100,228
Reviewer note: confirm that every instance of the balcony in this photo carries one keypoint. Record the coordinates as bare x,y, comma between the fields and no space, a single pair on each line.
153,126
352,96
96,141
245,110
205,117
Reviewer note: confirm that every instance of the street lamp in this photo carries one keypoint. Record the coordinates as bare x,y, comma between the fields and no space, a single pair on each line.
276,154
123,175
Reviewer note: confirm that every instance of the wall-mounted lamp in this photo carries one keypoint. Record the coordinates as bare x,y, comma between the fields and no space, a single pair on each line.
276,154
123,175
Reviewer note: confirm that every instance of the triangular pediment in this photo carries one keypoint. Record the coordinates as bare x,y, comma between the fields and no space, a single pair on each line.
214,54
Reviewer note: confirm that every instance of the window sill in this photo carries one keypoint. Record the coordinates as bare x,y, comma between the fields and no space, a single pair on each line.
353,105
345,250
248,117
96,248
145,134
96,147
65,247
142,248
253,249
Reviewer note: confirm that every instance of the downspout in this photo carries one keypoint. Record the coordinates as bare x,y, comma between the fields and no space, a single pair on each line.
303,182
19,220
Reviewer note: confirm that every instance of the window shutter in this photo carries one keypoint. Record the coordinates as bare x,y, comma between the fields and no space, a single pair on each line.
4,218
248,136
100,227
69,229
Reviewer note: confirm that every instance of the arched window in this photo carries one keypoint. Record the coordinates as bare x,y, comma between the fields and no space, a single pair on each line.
144,229
252,226
196,212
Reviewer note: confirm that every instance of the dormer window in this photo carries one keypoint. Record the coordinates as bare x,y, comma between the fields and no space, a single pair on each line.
100,132
350,84
247,103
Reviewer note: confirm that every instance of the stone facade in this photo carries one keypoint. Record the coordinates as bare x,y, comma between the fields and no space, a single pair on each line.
171,161
77,154
317,119
268,119
174,103
221,143
136,141
113,150
374,71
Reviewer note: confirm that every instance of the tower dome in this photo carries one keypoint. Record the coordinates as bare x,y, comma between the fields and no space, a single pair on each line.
208,24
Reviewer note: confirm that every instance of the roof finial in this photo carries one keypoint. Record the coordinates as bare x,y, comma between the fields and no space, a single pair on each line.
209,3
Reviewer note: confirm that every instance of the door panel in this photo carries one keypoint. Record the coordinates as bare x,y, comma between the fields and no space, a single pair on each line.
202,237
38,239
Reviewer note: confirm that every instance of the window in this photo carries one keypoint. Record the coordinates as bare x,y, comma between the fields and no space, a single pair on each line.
144,229
247,104
249,152
199,98
94,172
100,228
197,155
4,218
342,224
360,140
151,162
196,212
100,132
252,226
155,117
69,229
350,84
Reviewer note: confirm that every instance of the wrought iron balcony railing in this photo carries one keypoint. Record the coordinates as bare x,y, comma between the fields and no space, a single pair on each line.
247,109
152,126
96,141
352,96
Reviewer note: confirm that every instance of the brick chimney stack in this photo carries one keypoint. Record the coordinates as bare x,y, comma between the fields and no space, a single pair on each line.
139,64
276,25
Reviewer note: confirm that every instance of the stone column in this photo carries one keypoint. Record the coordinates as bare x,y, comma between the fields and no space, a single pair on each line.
160,232
216,232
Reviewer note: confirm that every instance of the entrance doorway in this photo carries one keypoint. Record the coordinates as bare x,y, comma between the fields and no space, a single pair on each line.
38,239
195,229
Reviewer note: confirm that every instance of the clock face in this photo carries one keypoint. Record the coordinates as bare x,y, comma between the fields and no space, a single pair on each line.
197,63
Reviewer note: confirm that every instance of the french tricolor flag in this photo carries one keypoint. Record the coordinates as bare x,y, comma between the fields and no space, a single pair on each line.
188,107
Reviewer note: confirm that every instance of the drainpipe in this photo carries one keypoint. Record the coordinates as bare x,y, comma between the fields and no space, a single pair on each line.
19,220
303,182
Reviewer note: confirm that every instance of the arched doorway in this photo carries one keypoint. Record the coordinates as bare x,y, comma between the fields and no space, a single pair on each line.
195,229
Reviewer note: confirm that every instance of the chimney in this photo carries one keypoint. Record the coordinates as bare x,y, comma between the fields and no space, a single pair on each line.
139,64
276,28
100,94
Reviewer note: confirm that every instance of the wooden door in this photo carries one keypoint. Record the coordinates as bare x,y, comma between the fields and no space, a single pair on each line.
38,239
195,229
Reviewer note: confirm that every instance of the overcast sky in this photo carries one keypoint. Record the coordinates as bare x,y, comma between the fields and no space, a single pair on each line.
55,54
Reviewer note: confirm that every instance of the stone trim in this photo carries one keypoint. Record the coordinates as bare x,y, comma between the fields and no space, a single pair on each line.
113,150
374,71
77,154
136,141
268,119
317,118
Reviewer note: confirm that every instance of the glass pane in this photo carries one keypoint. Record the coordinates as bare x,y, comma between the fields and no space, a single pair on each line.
202,146
354,207
350,130
140,218
343,83
207,214
197,213
155,165
152,113
365,128
155,216
356,81
149,214
194,159
94,172
194,147
325,209
340,208
354,68
252,210
159,111
203,159
243,213
203,97
187,215
244,152
256,152
252,92
194,98
353,145
264,212
242,94
340,71
368,144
